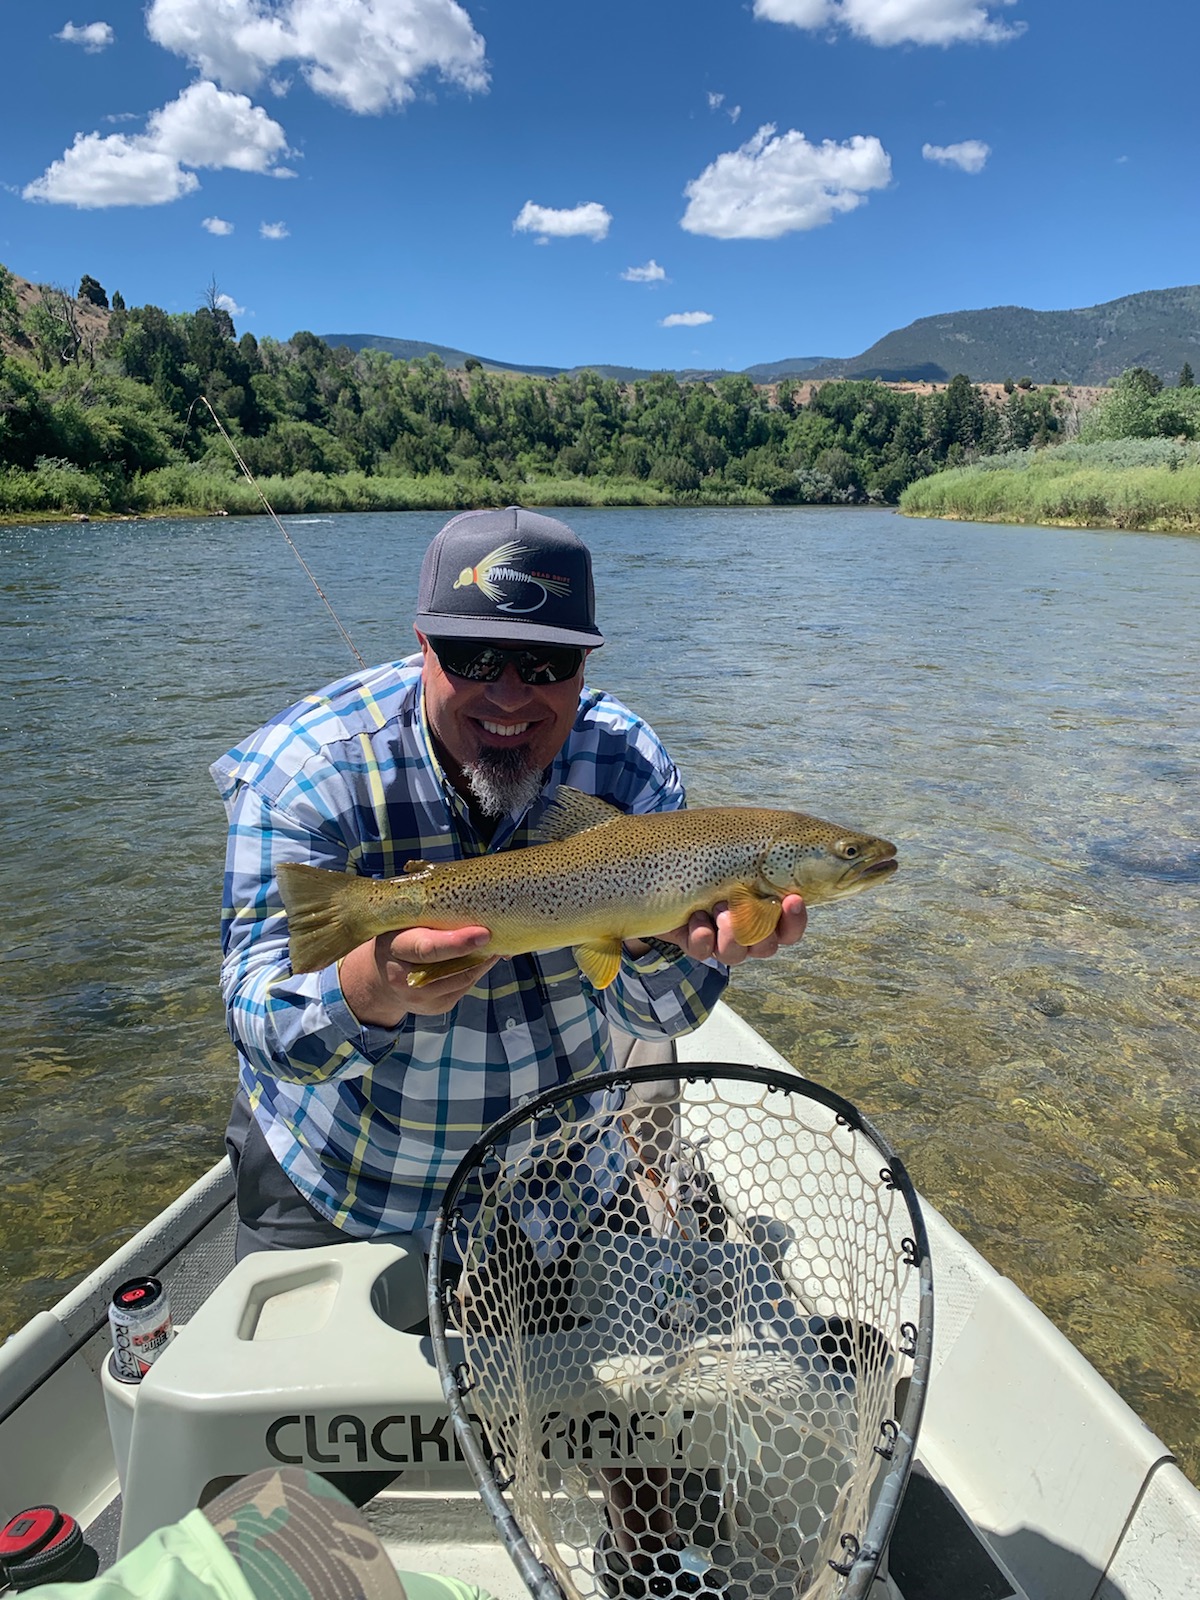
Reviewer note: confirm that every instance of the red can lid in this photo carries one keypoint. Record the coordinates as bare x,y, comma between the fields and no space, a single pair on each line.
136,1293
29,1531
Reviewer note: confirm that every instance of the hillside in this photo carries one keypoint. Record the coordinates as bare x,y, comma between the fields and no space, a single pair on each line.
413,349
1159,329
83,325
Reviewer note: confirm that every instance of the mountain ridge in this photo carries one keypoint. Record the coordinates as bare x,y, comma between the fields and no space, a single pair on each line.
1087,346
1155,328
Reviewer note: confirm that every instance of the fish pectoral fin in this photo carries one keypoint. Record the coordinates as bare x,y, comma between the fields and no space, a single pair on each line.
753,918
571,812
599,961
418,977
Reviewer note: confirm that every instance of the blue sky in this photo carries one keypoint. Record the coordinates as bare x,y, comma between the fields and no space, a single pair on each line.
656,183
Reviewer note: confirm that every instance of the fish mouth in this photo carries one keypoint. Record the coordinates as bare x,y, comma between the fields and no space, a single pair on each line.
862,873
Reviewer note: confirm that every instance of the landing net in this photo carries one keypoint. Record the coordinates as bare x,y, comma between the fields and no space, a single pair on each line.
687,1351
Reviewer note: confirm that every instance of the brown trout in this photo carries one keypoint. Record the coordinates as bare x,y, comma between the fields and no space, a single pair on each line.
602,876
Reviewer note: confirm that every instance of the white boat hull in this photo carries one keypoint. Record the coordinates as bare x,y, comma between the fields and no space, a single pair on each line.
1033,1478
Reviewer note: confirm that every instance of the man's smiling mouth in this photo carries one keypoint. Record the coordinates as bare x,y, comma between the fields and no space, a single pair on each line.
506,730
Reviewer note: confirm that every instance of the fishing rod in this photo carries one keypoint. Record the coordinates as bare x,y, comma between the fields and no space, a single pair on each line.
270,510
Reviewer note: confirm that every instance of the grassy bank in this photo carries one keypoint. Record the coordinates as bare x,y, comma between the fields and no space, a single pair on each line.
57,490
1146,484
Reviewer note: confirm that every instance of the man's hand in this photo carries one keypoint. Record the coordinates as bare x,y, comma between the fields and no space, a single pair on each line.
374,977
704,937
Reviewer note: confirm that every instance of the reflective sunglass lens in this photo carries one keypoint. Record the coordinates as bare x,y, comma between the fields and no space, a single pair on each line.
485,663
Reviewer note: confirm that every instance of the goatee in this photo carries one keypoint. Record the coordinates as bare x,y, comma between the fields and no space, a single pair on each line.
503,779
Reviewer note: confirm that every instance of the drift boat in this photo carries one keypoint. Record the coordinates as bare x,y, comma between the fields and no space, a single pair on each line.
1033,1479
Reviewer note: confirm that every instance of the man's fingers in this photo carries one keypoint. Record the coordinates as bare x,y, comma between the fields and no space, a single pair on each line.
707,936
701,937
788,930
793,921
425,947
443,993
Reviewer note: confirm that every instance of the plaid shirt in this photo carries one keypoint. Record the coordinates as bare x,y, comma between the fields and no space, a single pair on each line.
369,1123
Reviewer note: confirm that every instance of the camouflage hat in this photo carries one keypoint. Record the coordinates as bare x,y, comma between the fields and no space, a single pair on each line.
295,1537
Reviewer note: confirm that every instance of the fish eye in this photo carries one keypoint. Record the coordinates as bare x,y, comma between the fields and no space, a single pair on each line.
847,851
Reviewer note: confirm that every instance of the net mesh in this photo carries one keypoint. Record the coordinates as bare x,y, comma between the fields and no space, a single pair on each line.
685,1324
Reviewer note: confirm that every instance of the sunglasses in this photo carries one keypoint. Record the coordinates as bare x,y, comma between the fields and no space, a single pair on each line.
483,663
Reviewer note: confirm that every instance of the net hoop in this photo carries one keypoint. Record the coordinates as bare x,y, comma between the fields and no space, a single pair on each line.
859,1555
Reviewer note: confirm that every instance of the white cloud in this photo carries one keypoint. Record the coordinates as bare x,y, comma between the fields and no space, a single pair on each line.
273,230
714,100
650,273
364,54
111,171
776,185
734,113
889,22
207,127
226,302
586,221
93,36
217,225
799,13
969,156
686,319
203,127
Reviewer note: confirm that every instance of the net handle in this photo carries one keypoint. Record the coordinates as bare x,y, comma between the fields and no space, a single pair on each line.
863,1559
537,1577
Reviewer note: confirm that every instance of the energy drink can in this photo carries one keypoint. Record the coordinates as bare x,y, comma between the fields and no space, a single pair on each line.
139,1319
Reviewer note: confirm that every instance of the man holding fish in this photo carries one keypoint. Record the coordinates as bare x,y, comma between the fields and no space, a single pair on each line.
441,881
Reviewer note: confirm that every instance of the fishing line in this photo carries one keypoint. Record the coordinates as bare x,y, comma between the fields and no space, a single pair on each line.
270,510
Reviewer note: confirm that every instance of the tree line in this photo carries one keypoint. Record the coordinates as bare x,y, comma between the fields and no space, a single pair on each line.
126,407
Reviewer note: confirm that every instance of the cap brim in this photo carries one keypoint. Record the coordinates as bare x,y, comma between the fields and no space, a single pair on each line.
499,630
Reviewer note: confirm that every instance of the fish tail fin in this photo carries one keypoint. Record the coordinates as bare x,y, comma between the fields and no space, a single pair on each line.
322,926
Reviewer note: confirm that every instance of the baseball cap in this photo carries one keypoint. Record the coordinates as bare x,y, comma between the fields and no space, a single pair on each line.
508,574
295,1537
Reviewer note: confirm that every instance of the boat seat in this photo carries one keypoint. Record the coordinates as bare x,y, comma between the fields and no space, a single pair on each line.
297,1358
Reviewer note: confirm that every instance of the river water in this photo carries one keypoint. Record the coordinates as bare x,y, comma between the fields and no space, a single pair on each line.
1016,1009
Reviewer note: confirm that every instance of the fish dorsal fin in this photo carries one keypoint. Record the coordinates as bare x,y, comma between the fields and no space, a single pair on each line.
571,811
418,865
599,961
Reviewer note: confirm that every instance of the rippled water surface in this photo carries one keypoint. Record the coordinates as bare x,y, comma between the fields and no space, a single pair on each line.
1016,708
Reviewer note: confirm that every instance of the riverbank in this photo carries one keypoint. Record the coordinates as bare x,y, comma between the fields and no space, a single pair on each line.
1142,485
71,495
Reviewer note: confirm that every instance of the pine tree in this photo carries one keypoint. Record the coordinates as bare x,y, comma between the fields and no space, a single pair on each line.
1186,379
92,292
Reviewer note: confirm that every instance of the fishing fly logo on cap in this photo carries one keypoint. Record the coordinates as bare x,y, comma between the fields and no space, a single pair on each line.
508,575
496,568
